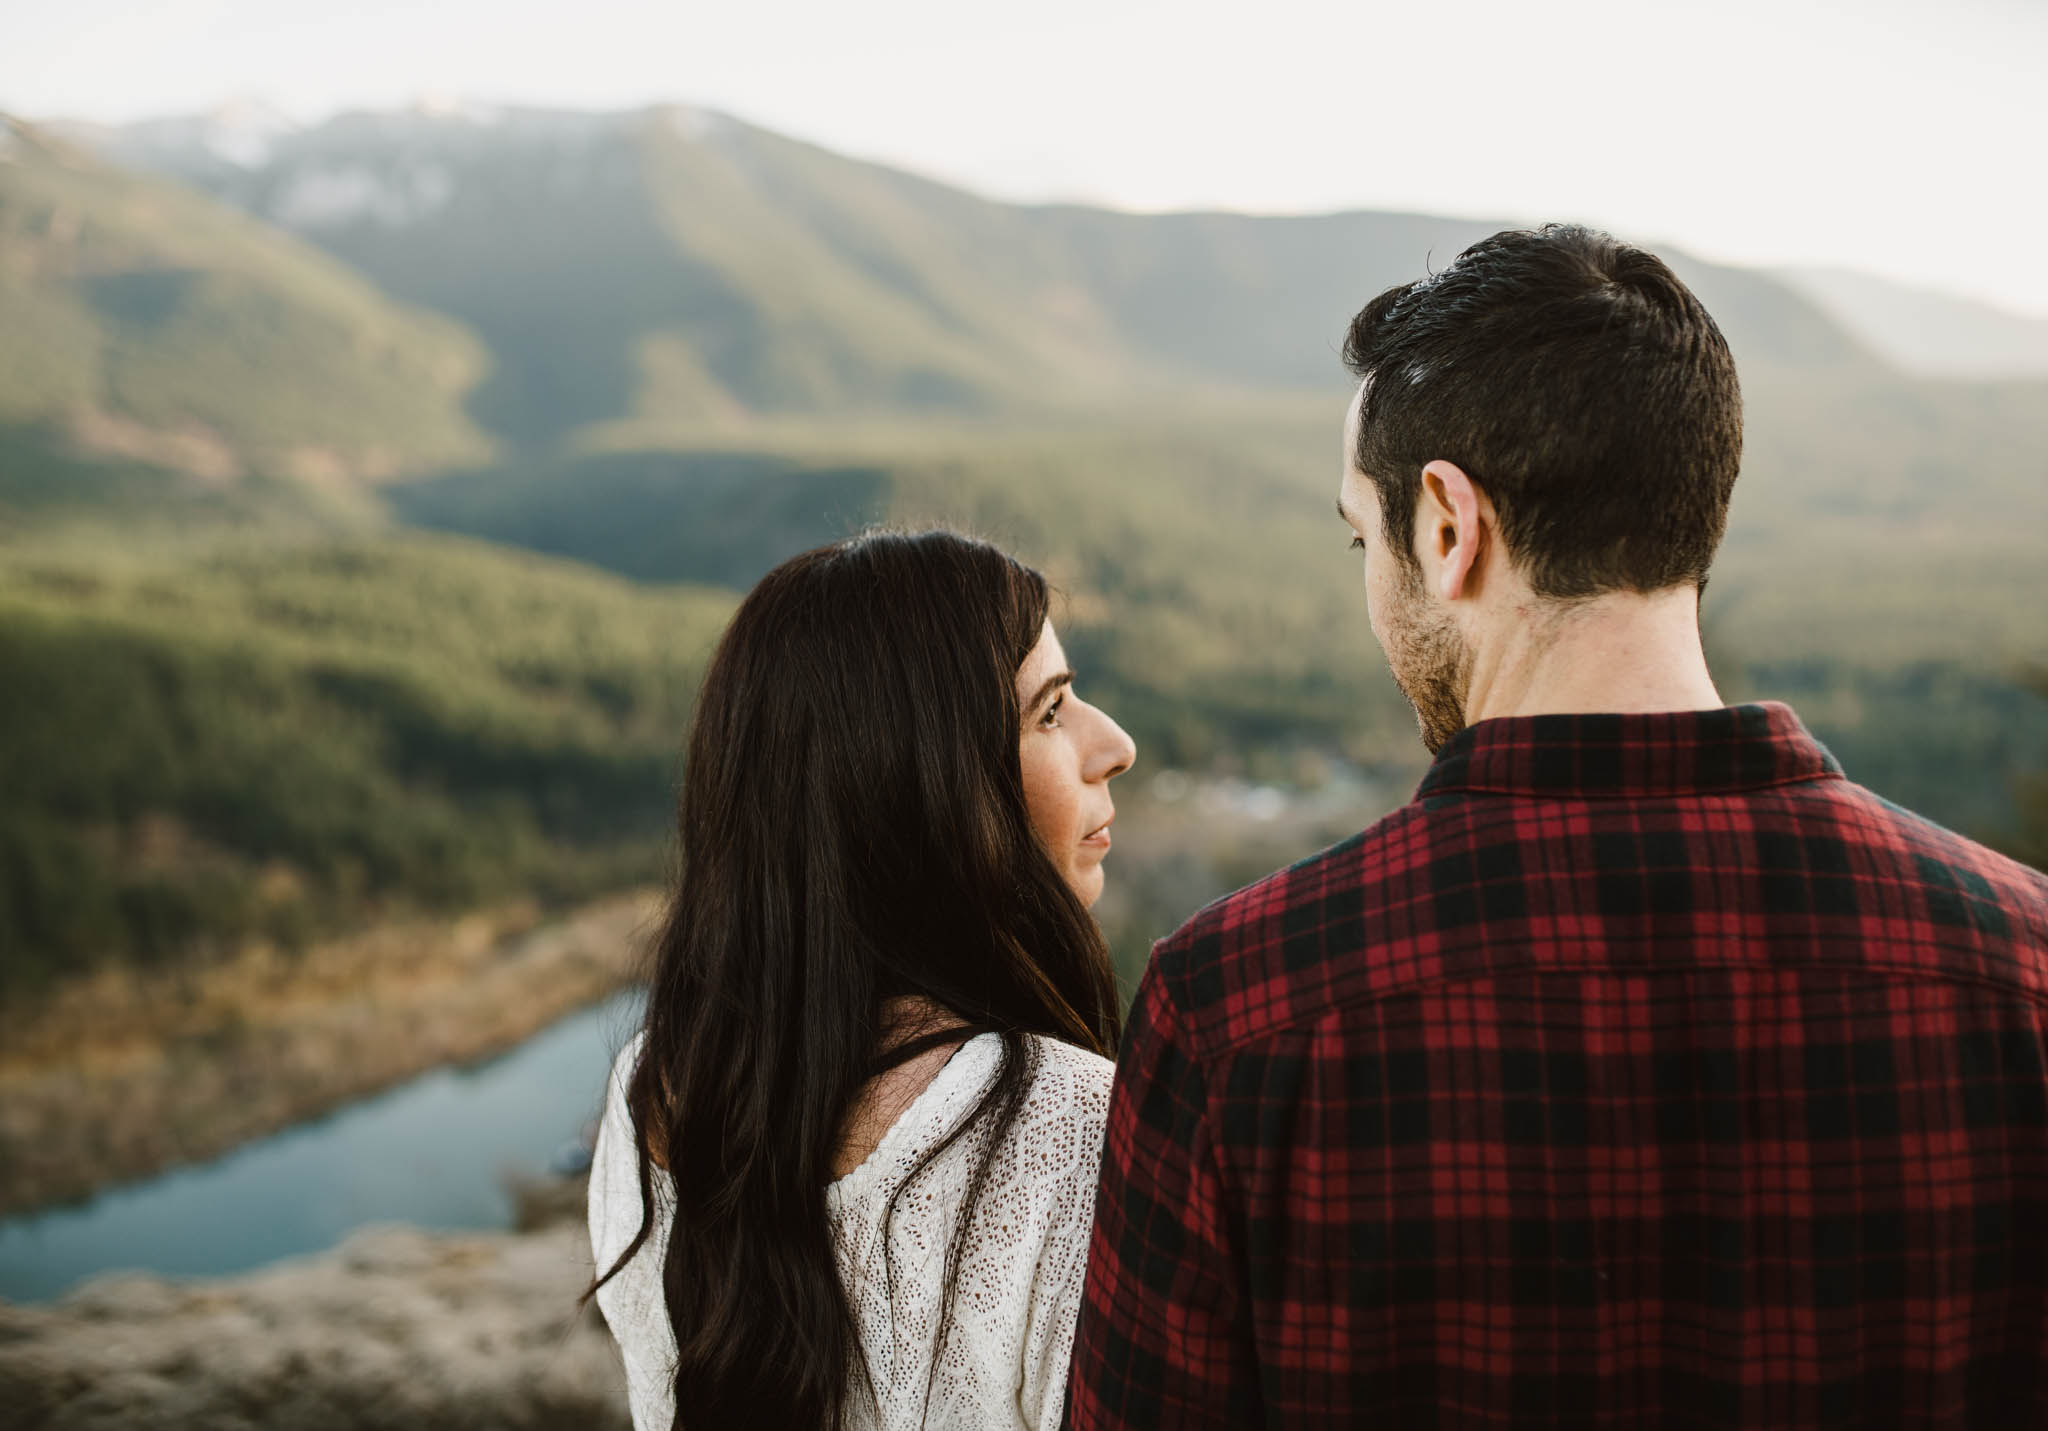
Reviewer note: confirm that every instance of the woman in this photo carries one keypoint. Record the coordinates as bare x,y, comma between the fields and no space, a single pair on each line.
846,1172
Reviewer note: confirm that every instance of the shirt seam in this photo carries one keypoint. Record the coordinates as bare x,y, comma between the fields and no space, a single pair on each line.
1225,1048
1638,793
1206,1133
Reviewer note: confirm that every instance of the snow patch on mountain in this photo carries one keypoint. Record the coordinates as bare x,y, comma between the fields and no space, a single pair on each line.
334,195
244,133
436,105
690,122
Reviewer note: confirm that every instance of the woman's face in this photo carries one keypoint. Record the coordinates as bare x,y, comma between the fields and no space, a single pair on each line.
1070,751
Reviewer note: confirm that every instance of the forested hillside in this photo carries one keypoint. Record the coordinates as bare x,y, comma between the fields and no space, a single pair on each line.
278,743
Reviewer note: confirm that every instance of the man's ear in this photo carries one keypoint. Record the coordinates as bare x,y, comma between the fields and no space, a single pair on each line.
1452,527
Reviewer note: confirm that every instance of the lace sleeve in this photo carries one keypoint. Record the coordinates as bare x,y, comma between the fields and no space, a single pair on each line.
1062,1264
631,1302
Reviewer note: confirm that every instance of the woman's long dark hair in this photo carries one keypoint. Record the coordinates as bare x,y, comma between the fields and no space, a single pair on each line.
853,831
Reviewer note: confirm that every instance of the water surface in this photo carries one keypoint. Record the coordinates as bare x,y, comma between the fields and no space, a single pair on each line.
434,1152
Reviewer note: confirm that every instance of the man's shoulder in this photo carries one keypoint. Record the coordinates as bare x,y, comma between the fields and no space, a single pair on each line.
1288,922
1446,887
1943,862
1347,863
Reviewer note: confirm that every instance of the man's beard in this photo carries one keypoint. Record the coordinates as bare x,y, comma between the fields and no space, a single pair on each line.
1429,660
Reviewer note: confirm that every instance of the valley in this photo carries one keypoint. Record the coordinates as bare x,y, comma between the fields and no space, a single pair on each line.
371,498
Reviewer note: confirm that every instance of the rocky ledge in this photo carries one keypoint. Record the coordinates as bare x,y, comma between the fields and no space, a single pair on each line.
396,1328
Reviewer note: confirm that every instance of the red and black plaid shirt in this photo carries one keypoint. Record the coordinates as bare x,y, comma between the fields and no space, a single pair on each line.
1642,1072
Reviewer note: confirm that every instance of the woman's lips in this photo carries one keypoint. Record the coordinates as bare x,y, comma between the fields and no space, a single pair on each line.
1098,838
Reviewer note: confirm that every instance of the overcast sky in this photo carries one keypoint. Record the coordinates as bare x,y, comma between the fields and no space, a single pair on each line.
1902,137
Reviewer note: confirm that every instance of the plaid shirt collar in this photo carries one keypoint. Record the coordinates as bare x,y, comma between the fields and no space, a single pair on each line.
1619,756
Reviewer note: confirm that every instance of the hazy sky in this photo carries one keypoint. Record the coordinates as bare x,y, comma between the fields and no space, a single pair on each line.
1905,138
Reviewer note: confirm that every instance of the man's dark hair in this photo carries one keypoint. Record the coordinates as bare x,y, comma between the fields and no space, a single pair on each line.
1577,381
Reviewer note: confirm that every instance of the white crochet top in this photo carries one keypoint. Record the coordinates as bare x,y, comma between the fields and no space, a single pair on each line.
1002,1359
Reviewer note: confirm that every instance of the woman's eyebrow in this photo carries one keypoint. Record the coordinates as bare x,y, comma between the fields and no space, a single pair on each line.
1052,683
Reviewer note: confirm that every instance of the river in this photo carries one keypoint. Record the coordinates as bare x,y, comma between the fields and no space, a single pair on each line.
435,1152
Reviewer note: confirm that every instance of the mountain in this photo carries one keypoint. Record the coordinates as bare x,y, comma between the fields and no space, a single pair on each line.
676,265
713,344
142,323
644,264
1920,330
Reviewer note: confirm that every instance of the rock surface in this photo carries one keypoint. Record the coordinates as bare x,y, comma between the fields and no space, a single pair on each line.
395,1328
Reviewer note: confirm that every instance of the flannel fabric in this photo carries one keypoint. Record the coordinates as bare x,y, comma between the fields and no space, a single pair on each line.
1642,1072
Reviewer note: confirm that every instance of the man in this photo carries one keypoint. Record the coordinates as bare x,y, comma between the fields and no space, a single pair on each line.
1643,1071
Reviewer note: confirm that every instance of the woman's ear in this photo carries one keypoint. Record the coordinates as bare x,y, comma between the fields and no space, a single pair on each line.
1452,528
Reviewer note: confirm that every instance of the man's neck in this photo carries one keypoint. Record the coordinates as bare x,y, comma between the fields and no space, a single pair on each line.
1621,653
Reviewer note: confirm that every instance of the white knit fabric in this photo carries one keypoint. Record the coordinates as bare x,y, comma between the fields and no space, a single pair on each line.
1002,1359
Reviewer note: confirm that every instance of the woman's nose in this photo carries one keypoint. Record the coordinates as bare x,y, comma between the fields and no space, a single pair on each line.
1114,750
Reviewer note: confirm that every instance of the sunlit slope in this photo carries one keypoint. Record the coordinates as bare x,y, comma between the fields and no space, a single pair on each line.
1924,331
141,321
274,742
666,262
1251,301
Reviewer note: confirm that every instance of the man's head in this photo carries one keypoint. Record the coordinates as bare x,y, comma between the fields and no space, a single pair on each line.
1552,419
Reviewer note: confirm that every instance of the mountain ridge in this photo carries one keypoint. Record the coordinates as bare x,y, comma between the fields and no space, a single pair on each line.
1926,331
240,136
674,260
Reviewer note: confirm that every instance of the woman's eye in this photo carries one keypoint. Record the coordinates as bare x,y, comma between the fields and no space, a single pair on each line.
1051,718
